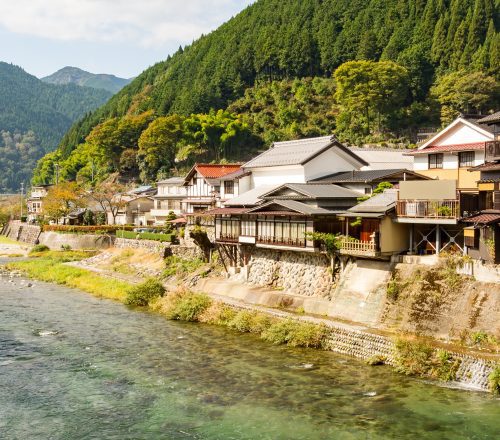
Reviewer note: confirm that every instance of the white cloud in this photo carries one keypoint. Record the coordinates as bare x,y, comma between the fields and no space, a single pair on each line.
148,23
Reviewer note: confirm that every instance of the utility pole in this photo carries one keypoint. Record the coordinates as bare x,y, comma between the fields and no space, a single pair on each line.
22,202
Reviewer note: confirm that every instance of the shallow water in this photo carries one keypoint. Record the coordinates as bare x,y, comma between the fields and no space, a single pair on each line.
76,367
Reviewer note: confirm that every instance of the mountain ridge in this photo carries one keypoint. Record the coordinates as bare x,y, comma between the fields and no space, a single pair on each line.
80,77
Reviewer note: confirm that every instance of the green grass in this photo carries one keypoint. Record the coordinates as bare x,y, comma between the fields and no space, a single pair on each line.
7,240
50,267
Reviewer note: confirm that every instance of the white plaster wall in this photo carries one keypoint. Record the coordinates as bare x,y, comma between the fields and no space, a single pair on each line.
358,187
450,161
461,134
277,175
331,161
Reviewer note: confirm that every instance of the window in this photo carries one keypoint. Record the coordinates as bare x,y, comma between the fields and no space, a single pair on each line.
229,187
368,191
466,159
471,237
435,161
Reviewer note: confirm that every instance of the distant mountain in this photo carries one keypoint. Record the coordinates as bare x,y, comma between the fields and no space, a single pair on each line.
74,75
33,117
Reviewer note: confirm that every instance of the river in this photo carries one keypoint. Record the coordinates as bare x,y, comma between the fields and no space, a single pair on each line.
76,367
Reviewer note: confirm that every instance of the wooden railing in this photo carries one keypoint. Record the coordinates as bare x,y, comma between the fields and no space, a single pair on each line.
443,209
228,237
492,151
294,242
351,245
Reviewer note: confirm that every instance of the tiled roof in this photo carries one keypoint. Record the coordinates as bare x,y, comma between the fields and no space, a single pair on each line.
236,174
250,198
484,217
495,117
293,205
379,203
214,171
384,158
365,176
298,152
225,211
489,166
448,148
173,180
314,191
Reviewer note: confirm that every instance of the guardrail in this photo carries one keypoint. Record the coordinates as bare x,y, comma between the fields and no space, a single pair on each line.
445,209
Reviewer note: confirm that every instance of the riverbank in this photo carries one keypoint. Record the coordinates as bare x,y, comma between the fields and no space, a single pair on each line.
408,354
75,366
12,248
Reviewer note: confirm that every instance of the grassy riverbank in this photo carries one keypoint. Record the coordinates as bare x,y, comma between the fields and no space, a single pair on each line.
7,240
411,356
50,267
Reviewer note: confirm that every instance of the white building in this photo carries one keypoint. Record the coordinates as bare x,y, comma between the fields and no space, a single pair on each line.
450,153
168,199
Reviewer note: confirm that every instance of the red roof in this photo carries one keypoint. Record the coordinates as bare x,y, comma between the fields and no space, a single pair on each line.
449,148
484,218
214,171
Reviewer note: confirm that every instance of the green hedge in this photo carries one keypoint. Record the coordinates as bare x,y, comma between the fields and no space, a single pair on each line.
164,238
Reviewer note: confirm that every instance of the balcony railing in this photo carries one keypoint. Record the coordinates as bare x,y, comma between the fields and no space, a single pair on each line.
438,209
352,246
492,151
228,237
279,241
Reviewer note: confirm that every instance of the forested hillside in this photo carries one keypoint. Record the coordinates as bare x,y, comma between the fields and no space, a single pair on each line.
79,77
417,61
35,116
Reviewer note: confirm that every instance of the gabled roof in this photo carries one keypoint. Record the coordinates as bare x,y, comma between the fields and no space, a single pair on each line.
449,148
380,203
299,152
472,123
173,181
238,174
212,171
490,119
384,158
311,191
488,166
250,198
291,206
368,176
484,217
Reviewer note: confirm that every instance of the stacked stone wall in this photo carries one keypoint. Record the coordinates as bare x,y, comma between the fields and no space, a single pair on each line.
55,240
300,273
162,249
24,232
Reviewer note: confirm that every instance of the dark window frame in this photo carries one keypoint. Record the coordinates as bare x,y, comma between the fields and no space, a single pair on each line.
466,159
229,184
435,161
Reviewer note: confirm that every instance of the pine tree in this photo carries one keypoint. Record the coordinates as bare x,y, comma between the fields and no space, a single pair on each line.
439,40
459,42
477,31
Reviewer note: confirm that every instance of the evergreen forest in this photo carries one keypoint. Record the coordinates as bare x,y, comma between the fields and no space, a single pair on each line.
371,71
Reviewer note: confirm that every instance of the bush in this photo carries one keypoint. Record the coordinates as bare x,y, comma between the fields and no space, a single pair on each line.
164,238
242,321
376,360
296,334
217,313
127,234
176,266
189,307
145,293
494,380
100,229
39,248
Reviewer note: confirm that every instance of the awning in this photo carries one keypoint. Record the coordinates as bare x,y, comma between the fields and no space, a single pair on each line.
483,218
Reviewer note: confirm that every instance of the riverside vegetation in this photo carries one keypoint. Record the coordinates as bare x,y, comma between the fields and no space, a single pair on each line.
412,356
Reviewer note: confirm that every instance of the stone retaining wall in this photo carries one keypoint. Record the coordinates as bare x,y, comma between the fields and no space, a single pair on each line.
163,249
301,273
55,240
23,232
156,247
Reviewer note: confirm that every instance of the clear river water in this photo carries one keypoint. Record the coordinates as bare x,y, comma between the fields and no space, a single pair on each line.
76,367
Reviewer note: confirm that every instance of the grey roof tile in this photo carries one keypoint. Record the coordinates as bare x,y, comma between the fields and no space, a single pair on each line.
379,203
361,176
315,191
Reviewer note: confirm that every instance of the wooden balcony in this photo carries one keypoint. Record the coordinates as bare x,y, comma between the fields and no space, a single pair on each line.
492,151
228,238
428,209
352,246
287,242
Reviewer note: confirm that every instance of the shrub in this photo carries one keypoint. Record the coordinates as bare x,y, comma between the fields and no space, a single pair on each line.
494,380
127,234
393,290
164,238
145,293
242,321
65,247
189,307
176,266
39,248
217,313
104,229
296,334
307,334
412,357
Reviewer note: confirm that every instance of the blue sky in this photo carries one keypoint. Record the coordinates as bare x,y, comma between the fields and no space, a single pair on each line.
122,37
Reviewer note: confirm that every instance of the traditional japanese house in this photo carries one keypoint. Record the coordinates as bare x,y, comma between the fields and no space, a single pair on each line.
168,198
